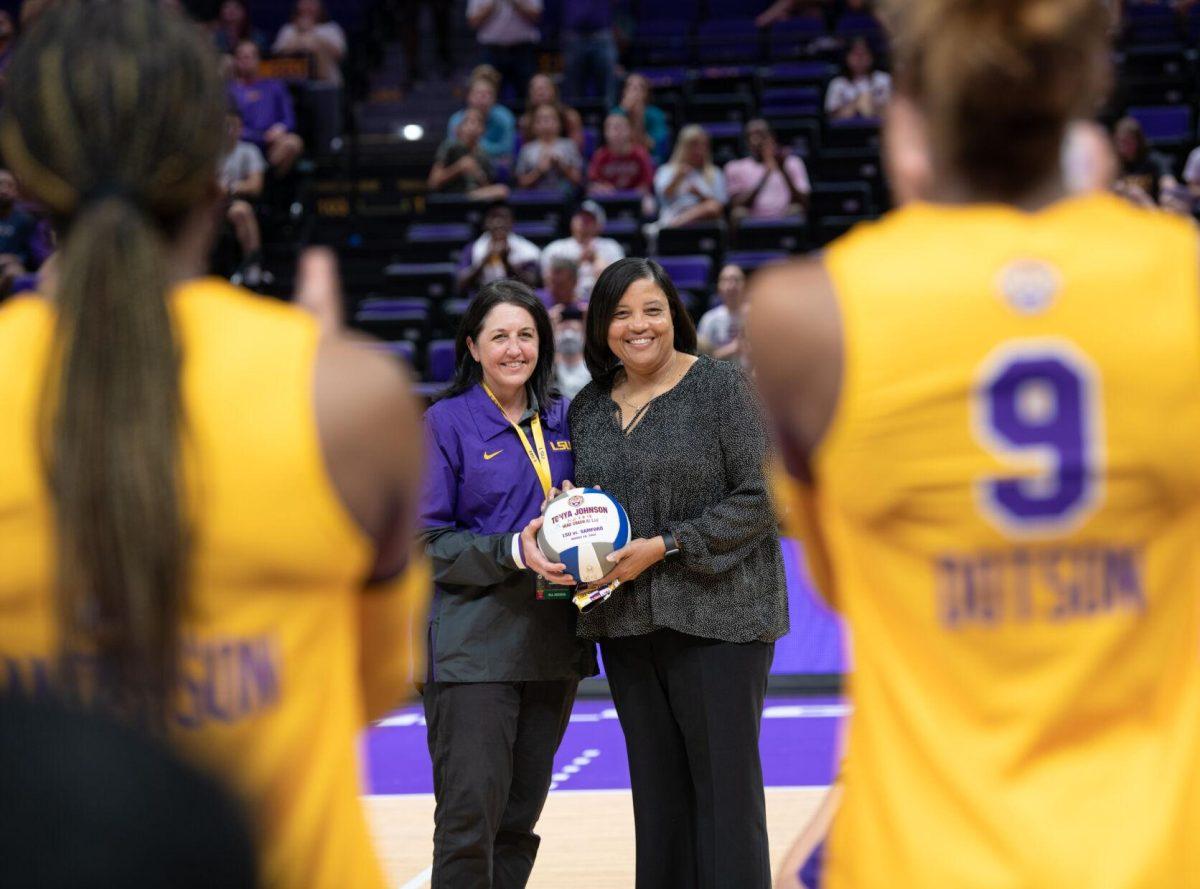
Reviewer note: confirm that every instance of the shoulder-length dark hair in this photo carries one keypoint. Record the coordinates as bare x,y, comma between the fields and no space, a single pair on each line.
606,296
469,372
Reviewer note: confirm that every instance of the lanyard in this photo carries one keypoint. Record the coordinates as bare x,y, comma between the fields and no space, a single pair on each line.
539,458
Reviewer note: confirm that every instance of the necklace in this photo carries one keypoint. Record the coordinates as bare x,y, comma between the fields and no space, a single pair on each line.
655,392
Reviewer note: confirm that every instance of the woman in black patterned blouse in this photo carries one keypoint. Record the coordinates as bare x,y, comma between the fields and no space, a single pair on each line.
688,636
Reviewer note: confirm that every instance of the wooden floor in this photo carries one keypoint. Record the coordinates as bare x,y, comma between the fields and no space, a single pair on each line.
587,836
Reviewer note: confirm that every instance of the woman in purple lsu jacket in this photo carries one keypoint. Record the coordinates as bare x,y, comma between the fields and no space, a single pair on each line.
503,666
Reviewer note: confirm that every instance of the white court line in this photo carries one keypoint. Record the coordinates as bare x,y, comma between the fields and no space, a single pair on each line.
420,880
595,791
771,711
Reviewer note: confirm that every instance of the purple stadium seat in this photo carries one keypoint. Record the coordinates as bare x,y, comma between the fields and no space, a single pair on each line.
439,232
620,204
728,40
401,349
691,240
397,304
749,260
1164,124
664,77
688,272
439,361
809,72
392,325
787,235
1145,23
540,231
434,279
854,24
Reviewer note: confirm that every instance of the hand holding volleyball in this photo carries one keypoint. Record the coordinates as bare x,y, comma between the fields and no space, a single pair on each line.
581,528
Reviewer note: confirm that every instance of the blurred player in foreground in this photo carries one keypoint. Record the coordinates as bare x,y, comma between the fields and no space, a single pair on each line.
990,405
205,504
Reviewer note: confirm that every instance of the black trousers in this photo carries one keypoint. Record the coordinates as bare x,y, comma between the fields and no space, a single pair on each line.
691,709
493,746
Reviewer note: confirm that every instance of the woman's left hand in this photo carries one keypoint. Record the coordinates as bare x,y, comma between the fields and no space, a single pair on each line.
634,558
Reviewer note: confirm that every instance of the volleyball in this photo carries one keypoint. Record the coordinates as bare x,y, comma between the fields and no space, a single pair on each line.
581,527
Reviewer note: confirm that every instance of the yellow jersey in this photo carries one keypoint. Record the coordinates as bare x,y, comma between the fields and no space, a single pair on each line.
1008,498
270,695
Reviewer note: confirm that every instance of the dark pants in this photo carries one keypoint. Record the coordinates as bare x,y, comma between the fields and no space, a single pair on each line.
517,64
409,13
492,745
590,57
690,709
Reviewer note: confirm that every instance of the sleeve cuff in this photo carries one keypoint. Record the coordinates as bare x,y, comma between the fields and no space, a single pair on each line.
516,552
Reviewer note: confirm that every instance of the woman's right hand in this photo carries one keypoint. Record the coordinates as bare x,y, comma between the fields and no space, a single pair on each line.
538,563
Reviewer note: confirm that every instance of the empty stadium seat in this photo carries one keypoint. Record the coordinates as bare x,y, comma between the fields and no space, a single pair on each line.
841,199
728,40
439,361
392,324
700,237
749,260
1167,126
538,205
791,38
789,234
433,279
831,227
453,208
620,205
853,133
440,241
688,272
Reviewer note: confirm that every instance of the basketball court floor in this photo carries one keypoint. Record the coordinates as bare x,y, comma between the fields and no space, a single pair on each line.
587,826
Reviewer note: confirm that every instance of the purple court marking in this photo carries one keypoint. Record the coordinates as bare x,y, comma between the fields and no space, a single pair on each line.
798,747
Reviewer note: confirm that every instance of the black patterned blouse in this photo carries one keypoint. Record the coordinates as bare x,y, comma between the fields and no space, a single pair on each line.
693,465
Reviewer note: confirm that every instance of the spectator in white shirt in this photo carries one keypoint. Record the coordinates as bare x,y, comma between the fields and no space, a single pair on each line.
507,31
862,91
689,186
311,31
498,253
591,252
719,333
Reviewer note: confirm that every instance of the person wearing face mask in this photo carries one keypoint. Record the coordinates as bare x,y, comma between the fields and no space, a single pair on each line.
689,632
503,666
570,370
720,328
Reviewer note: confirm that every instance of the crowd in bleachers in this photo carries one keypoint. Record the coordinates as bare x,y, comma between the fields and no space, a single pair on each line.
710,133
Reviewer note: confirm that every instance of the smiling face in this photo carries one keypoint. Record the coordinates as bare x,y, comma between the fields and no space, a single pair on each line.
695,151
541,90
245,60
859,58
481,95
470,128
546,125
617,132
506,348
641,333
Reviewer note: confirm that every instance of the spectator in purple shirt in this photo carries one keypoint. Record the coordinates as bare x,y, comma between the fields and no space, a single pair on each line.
266,108
589,50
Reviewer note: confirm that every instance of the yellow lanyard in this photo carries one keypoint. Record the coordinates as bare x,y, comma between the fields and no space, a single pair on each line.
539,458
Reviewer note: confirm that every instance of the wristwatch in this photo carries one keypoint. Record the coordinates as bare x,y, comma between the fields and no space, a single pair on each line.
670,544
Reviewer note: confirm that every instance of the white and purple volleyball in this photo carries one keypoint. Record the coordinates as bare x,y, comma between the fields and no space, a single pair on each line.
581,527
